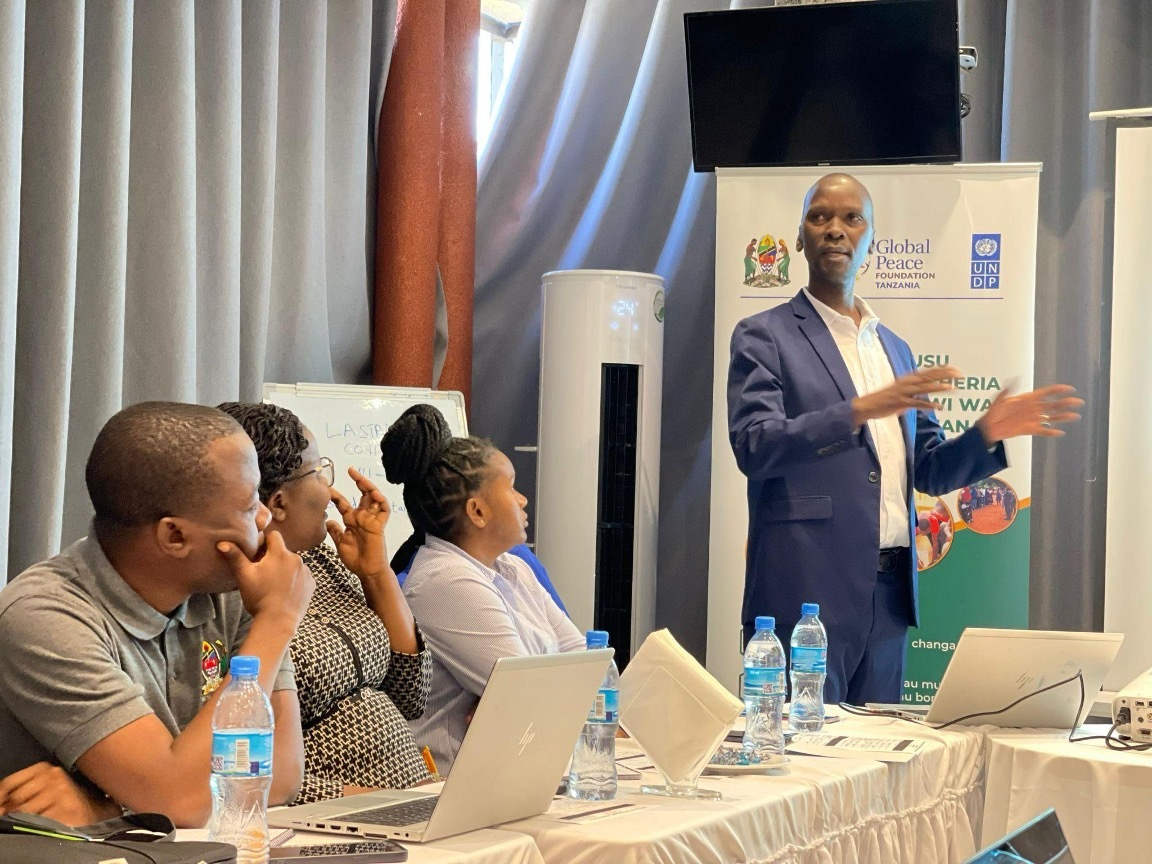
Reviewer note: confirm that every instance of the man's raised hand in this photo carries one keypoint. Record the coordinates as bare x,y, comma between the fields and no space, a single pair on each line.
907,392
1037,412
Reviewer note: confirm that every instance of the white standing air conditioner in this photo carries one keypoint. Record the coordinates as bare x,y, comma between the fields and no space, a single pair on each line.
598,472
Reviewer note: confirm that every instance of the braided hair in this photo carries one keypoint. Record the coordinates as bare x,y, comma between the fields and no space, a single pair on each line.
439,473
279,438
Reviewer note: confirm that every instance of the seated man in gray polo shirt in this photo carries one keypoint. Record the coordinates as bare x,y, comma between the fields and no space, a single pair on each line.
111,652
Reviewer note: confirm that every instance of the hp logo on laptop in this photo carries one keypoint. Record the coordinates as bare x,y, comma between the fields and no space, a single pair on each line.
526,739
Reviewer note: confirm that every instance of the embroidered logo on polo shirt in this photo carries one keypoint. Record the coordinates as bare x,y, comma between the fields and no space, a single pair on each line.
212,666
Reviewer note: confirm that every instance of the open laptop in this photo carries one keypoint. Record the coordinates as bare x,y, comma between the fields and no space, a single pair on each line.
1041,841
991,669
509,764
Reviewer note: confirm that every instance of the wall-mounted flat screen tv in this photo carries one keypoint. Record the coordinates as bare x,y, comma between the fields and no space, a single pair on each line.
836,83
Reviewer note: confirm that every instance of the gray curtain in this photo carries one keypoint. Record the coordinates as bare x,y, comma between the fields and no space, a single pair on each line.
185,200
589,166
1048,65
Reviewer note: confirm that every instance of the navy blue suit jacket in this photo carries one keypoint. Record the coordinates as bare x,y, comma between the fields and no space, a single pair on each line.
813,480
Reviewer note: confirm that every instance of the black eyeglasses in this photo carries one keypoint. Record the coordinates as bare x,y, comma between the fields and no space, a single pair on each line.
326,470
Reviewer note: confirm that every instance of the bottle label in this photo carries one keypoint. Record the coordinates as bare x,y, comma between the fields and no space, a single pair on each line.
242,753
814,660
606,708
763,681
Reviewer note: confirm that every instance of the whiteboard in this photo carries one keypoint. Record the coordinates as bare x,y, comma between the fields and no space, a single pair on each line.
349,421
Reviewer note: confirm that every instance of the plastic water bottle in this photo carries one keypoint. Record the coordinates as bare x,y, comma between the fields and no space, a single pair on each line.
764,691
242,726
809,669
592,775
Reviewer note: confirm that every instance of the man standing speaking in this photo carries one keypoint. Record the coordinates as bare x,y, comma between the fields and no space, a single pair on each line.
831,423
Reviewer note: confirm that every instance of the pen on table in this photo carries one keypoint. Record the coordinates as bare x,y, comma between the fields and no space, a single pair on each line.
282,838
44,832
430,763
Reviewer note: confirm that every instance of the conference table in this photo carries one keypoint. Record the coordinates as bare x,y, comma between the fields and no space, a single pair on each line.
819,810
486,846
966,788
1102,797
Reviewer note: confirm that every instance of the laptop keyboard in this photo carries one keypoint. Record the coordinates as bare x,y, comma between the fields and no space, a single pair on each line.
410,813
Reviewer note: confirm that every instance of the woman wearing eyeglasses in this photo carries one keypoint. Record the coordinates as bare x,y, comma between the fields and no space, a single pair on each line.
361,666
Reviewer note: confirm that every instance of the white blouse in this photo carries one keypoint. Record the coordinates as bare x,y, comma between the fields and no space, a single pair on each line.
471,616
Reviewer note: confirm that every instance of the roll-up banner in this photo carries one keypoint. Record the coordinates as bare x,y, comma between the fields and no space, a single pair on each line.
953,273
1128,557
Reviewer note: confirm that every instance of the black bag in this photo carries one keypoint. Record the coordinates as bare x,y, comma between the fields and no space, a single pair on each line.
33,849
133,839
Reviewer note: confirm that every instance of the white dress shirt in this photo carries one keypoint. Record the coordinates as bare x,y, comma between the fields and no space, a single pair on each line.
870,370
471,616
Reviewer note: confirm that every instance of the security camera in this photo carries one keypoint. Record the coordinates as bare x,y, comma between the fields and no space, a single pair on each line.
968,60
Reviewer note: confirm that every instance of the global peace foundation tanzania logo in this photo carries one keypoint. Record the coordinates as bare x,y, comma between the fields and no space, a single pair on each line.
985,271
766,262
903,263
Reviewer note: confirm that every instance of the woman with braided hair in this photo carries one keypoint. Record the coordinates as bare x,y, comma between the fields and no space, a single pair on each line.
476,603
361,667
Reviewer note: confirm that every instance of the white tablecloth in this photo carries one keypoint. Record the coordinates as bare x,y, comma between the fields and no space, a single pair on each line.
824,811
489,846
1103,798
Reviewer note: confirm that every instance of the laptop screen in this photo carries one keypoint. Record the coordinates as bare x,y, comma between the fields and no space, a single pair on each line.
1023,678
1041,841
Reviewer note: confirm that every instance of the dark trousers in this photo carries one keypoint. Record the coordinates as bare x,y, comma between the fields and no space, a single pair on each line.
868,664
873,671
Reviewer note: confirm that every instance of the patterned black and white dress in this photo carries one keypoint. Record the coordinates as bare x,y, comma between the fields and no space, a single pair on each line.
355,692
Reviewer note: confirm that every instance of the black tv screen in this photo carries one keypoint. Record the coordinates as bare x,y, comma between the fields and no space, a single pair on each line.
836,83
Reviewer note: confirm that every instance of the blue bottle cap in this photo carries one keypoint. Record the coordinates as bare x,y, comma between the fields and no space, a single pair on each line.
765,622
810,609
244,665
596,639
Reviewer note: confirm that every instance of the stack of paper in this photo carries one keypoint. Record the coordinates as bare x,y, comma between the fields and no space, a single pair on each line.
857,747
673,708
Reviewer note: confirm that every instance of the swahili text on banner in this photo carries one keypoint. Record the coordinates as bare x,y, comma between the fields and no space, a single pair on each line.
953,274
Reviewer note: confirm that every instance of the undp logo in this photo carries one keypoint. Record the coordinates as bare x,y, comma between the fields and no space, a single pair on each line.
985,270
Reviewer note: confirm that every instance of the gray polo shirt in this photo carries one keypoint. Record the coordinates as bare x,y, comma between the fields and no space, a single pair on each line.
82,655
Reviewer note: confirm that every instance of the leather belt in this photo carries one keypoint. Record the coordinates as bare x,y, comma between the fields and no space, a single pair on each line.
891,560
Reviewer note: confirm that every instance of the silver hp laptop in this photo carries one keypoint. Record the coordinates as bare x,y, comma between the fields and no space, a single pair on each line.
1041,841
991,669
509,764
